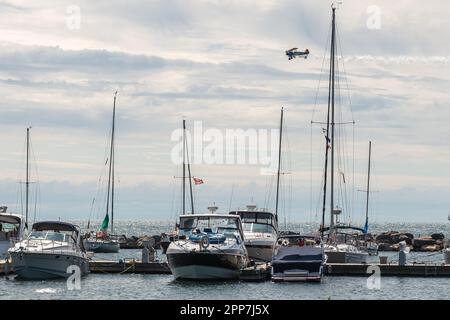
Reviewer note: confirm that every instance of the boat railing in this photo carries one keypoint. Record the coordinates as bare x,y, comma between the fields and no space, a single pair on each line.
50,246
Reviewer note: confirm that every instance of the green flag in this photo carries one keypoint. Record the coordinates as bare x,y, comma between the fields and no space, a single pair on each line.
105,223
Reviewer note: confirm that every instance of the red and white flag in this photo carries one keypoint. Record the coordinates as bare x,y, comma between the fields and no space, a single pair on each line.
198,181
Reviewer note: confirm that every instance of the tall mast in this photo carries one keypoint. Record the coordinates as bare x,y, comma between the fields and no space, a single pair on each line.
368,188
111,168
333,45
190,178
279,164
184,168
27,178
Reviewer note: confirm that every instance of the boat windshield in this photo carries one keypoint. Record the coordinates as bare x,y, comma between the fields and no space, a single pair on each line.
220,225
8,231
49,235
258,228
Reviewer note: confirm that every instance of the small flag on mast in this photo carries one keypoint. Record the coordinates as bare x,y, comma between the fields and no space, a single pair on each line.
198,181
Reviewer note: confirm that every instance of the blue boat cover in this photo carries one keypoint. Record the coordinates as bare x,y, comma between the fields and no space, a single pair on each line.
214,238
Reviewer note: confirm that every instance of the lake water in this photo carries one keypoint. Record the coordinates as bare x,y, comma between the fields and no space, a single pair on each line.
138,286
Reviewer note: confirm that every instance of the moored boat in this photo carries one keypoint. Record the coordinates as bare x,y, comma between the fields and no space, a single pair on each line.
297,259
12,228
48,252
209,246
260,232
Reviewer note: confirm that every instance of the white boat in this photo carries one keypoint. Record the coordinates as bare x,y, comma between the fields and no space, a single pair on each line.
12,228
260,232
209,247
342,246
297,259
49,250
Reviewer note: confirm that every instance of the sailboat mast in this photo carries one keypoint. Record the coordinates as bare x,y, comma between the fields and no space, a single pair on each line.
279,164
27,178
333,45
190,178
368,186
184,168
111,169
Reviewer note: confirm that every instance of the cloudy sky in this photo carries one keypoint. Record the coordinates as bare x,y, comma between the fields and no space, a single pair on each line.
222,62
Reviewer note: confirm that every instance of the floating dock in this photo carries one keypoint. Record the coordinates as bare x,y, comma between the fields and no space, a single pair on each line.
262,272
130,266
395,270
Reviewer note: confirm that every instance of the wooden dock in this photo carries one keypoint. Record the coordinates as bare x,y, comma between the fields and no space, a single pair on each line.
262,272
130,266
120,267
259,272
409,270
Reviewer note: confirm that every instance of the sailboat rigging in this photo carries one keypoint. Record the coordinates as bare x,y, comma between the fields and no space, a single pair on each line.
338,247
102,241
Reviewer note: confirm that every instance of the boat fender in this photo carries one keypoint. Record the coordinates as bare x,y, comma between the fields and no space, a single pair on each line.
204,242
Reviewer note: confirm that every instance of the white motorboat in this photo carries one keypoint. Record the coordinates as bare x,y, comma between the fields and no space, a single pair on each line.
297,259
260,232
209,246
48,252
12,229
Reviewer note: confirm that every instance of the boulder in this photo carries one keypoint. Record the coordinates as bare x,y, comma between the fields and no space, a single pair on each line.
437,236
430,248
424,241
385,237
383,246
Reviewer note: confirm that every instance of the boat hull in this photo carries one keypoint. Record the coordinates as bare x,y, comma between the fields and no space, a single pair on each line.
46,265
205,265
259,252
346,257
4,247
101,246
298,264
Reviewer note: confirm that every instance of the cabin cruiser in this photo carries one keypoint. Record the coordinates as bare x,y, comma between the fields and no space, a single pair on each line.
298,258
48,251
260,232
208,246
101,242
12,229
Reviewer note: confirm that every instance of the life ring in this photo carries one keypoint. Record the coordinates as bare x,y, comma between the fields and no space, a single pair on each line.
204,242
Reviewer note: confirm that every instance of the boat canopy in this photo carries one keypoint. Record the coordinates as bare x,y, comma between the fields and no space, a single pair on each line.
9,218
55,226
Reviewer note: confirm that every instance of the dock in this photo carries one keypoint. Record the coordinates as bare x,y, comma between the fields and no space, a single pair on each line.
106,266
394,270
130,266
262,272
256,273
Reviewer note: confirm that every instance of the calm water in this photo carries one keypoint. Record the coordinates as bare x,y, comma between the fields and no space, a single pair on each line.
116,286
